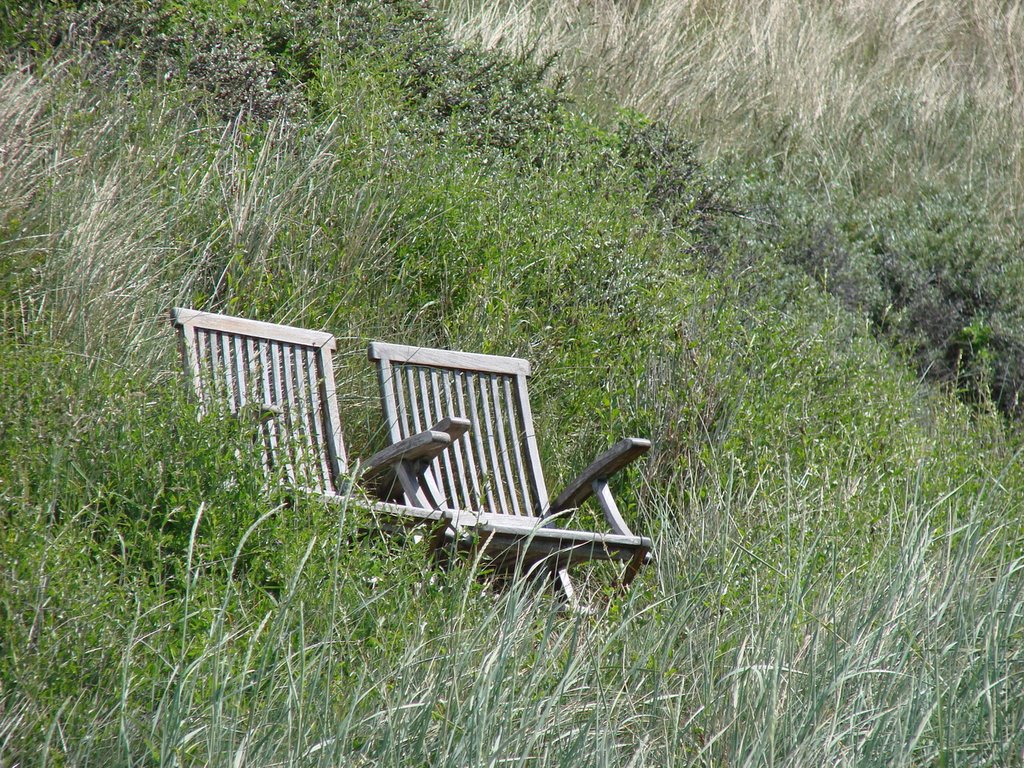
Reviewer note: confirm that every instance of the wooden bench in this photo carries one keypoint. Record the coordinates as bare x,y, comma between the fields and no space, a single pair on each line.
281,378
491,483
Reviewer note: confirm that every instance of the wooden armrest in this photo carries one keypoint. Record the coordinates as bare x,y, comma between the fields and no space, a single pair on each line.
603,467
454,426
423,446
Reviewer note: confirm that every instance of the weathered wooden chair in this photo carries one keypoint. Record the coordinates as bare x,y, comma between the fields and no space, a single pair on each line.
281,380
491,483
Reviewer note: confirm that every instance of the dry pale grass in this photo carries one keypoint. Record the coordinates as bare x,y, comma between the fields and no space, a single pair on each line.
120,210
877,92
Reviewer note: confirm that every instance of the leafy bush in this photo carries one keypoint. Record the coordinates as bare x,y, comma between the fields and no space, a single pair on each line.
485,98
666,165
213,53
933,274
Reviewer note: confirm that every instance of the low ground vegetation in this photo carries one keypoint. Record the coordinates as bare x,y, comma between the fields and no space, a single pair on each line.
838,574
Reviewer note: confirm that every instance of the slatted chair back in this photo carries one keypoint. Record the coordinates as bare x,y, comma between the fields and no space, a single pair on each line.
279,377
496,466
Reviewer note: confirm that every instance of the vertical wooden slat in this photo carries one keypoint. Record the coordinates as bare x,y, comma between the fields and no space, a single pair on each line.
263,396
416,424
217,367
222,365
420,398
517,449
202,356
449,458
445,407
208,362
308,418
468,442
302,397
250,373
309,397
267,393
211,377
480,454
423,397
217,378
488,427
285,389
536,474
404,421
227,370
439,467
329,395
386,376
509,480
320,456
238,364
281,376
215,383
254,390
190,351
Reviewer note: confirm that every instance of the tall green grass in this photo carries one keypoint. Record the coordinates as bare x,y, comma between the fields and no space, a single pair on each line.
364,655
837,575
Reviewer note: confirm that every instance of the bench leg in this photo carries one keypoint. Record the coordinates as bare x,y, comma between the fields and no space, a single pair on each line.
633,567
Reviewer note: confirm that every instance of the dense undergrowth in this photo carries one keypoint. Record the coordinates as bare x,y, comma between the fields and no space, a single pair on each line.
838,572
874,146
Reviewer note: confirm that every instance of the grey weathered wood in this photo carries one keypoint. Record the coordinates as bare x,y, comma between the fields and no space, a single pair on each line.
463,452
483,472
488,427
604,466
385,377
535,475
475,500
454,426
281,379
521,474
405,462
495,475
281,426
509,480
443,358
320,420
609,507
537,542
191,318
450,471
421,397
424,446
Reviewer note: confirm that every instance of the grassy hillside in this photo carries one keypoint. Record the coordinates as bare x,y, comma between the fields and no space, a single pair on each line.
838,574
876,146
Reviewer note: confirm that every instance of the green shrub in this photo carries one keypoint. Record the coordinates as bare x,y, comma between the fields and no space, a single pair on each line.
934,274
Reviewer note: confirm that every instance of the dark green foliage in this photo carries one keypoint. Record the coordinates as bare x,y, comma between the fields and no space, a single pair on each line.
264,58
218,54
935,276
666,165
483,97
